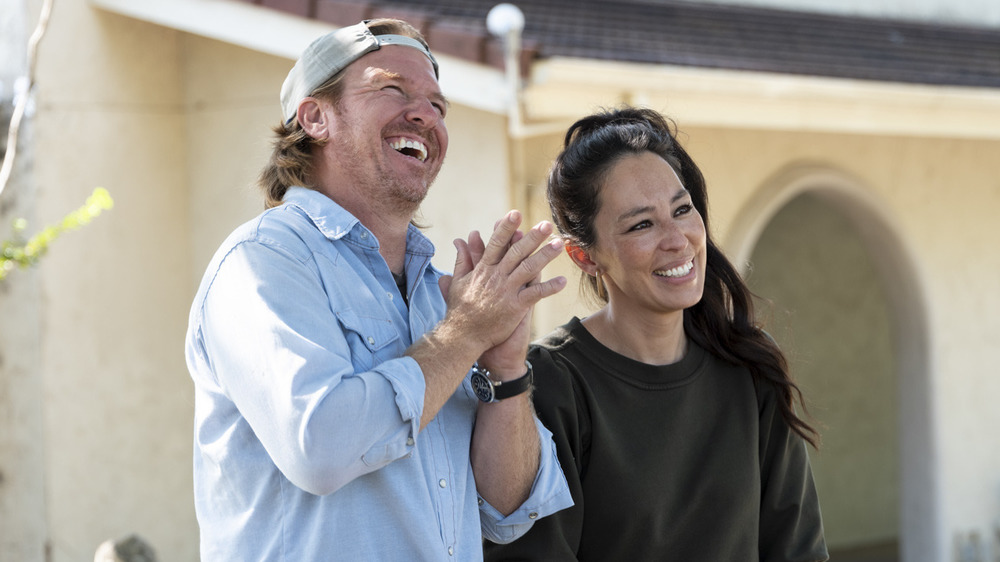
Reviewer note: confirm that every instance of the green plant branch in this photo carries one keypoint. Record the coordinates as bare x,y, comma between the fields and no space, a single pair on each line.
18,252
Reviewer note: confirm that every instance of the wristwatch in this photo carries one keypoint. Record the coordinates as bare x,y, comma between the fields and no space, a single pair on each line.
490,391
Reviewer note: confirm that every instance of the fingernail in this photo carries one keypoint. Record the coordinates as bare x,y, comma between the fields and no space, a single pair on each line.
514,215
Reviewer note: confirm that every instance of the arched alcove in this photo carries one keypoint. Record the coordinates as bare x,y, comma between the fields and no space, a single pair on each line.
829,248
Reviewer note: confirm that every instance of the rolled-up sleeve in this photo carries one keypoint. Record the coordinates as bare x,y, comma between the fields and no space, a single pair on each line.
549,494
325,390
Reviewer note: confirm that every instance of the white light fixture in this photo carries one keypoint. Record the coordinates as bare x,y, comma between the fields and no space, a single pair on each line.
503,19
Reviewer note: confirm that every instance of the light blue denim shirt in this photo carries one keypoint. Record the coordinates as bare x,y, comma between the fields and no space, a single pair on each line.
307,413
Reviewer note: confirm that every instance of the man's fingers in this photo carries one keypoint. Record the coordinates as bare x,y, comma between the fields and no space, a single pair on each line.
530,268
463,259
535,292
499,242
444,283
476,247
526,244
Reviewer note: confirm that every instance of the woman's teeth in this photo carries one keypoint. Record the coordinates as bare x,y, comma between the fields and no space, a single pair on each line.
679,271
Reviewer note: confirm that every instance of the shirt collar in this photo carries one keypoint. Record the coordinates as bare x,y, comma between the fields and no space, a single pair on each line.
335,222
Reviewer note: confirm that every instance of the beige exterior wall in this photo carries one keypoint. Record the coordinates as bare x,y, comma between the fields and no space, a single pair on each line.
117,398
817,270
230,107
176,126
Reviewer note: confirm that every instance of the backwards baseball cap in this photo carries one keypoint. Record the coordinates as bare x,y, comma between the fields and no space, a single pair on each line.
331,53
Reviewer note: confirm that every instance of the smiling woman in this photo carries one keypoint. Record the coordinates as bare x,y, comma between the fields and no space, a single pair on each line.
673,412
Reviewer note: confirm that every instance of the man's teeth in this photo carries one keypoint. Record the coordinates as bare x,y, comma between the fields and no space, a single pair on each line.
678,271
412,148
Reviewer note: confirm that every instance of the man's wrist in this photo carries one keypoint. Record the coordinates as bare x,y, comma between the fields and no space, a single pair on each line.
490,390
503,372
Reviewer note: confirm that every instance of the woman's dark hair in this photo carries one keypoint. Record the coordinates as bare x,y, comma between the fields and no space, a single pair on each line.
723,321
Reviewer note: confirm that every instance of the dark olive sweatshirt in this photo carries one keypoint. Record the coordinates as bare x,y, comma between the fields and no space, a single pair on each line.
685,462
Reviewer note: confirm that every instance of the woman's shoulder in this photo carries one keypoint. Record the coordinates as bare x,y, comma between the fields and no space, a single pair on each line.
560,348
560,338
555,356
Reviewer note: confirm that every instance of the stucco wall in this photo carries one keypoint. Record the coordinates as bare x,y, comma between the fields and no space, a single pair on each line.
231,103
829,312
114,294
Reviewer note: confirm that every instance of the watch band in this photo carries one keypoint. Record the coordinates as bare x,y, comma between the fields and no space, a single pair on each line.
490,391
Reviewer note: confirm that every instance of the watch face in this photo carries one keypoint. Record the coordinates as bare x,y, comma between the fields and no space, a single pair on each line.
482,386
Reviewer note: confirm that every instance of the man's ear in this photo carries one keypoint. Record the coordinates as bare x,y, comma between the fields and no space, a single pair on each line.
581,258
312,119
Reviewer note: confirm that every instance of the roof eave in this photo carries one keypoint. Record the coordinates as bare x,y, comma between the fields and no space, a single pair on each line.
284,35
562,89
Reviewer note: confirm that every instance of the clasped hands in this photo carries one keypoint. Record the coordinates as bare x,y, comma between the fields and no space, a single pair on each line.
495,286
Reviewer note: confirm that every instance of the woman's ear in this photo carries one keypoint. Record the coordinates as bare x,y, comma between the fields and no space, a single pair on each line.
581,258
312,119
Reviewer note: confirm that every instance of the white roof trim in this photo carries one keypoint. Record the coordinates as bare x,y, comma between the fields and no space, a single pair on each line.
566,88
284,35
563,89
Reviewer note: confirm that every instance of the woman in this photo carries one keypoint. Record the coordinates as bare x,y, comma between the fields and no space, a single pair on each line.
673,412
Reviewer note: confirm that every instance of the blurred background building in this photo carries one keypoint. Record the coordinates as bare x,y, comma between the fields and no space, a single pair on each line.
851,148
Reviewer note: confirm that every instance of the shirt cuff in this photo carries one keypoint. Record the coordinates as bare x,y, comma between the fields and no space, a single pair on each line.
407,380
549,494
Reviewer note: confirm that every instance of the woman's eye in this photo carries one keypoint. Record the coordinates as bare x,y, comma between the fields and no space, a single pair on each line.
683,210
640,226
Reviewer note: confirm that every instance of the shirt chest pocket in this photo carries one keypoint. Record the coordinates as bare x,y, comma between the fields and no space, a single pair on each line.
372,340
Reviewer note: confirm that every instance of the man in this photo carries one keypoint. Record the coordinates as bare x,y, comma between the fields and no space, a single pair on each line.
336,416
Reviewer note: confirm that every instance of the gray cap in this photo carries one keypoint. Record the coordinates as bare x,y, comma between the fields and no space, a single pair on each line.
332,53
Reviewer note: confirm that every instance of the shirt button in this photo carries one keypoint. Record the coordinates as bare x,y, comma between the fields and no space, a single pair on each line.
533,515
480,501
409,441
451,551
364,235
443,483
388,294
371,340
